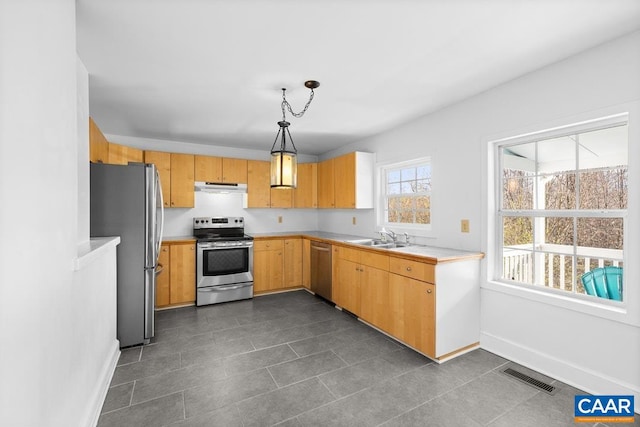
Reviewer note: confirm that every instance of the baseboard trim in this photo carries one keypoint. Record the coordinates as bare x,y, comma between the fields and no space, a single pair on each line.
102,387
591,381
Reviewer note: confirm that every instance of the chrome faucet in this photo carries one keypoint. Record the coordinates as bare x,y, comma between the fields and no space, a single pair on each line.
384,233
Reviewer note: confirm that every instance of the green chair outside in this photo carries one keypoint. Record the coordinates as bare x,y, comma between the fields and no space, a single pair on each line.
604,282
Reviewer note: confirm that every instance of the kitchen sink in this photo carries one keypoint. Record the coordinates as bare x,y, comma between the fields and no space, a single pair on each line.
378,243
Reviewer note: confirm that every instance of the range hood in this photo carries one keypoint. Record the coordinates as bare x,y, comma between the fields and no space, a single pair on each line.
220,187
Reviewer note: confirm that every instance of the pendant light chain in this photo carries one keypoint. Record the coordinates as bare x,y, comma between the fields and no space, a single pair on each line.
286,104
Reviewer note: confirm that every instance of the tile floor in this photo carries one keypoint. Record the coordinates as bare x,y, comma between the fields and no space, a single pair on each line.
291,359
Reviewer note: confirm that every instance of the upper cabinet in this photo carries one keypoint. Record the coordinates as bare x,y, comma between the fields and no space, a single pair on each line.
176,176
346,182
98,144
260,194
103,151
306,193
220,169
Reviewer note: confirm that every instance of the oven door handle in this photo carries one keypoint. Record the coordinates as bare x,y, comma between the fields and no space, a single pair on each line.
224,288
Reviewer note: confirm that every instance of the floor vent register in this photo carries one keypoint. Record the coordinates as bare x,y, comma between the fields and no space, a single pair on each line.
522,377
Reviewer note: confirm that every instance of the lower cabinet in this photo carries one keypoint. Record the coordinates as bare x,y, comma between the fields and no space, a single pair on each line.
360,281
277,264
412,313
176,284
268,268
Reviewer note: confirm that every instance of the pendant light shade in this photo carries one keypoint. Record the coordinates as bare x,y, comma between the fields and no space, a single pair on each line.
284,156
284,160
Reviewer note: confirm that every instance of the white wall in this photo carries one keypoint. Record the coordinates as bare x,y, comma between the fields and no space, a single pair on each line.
582,344
57,325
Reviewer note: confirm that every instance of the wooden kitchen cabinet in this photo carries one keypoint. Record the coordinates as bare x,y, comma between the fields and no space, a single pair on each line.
346,182
162,161
268,264
326,189
176,176
360,279
162,280
176,284
412,313
182,180
122,155
306,193
306,263
259,191
220,169
292,263
98,144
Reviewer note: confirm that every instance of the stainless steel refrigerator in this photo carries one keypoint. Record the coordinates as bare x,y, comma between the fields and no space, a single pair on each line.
126,201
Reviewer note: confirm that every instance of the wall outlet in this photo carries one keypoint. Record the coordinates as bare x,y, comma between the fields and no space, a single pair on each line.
464,225
353,220
280,219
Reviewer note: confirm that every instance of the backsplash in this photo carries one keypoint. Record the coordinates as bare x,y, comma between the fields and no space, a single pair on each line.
179,221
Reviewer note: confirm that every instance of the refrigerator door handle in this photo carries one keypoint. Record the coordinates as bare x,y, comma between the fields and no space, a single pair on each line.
161,204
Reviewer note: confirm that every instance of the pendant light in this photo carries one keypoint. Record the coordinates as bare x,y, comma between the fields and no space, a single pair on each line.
284,161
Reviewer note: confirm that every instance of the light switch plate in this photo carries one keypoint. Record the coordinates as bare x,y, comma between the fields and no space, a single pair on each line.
464,225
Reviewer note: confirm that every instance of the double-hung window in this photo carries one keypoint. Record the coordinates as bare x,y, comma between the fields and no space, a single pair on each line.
406,194
562,203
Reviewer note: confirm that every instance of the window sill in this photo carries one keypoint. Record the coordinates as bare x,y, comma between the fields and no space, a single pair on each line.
608,309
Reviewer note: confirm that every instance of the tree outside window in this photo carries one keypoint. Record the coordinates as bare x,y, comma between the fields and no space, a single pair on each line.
407,193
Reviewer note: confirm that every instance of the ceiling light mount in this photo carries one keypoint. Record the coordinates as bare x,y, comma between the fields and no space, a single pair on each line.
284,163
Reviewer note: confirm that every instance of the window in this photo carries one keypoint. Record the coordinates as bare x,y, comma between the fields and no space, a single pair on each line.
562,201
406,194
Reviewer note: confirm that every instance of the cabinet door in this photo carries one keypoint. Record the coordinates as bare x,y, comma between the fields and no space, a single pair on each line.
182,180
234,170
346,289
306,193
163,164
182,273
98,144
306,263
281,197
292,263
258,185
345,181
163,280
374,296
267,270
326,181
122,155
412,314
208,168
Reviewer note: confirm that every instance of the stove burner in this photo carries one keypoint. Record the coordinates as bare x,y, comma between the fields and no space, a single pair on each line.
219,229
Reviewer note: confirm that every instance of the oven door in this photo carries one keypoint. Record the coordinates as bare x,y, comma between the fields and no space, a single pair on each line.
223,265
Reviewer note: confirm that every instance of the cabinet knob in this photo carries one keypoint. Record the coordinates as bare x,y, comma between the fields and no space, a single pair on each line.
428,291
408,268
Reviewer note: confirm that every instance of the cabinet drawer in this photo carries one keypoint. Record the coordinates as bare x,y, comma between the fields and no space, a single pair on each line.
371,259
413,269
267,245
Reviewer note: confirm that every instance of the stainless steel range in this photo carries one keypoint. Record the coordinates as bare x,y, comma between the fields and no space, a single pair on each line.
224,260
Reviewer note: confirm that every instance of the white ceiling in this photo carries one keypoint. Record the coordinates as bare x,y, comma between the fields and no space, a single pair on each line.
210,71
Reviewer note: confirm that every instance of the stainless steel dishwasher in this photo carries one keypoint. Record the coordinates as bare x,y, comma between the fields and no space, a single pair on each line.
321,269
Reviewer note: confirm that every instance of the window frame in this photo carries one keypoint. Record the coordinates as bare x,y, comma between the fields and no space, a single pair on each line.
420,229
499,212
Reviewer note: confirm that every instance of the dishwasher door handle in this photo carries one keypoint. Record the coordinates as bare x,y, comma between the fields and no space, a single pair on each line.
320,248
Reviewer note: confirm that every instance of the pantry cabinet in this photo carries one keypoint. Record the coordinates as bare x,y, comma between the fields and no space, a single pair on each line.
176,284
